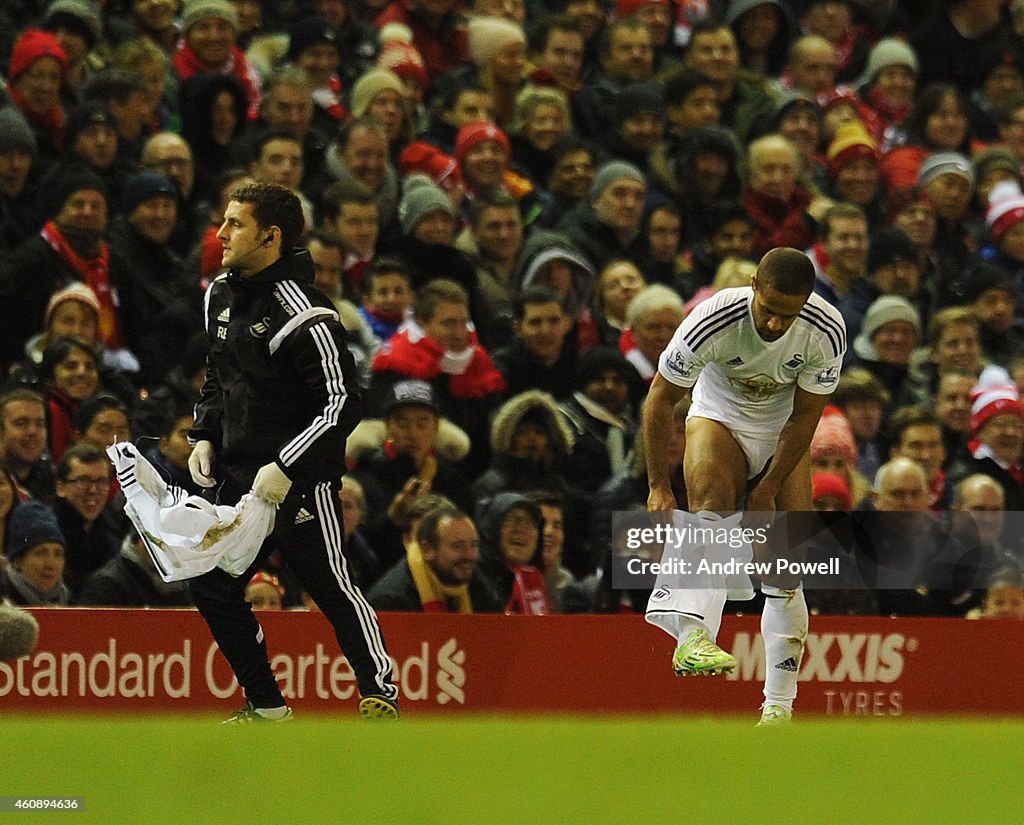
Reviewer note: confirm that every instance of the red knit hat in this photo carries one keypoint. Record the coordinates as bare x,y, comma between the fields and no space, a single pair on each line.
32,45
428,160
474,133
834,436
829,485
261,577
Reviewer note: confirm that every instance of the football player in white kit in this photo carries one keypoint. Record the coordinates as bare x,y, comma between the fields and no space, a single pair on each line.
760,363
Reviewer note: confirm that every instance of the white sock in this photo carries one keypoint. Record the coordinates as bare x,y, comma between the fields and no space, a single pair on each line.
715,601
706,603
273,713
784,629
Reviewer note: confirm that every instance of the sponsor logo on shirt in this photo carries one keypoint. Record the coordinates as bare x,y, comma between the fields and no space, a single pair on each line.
757,388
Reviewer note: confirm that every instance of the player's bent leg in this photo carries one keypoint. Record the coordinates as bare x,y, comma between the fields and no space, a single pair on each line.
714,467
220,599
313,548
789,540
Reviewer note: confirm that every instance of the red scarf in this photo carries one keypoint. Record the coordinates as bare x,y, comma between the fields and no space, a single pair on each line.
328,98
891,114
187,64
529,593
628,347
779,223
51,121
61,410
422,360
95,274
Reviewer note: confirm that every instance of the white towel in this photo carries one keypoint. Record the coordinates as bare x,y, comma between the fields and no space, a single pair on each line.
186,535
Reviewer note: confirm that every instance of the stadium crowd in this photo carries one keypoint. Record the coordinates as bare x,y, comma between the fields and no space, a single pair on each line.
512,205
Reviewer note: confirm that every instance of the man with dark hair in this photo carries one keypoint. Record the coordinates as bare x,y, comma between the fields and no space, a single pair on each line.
555,46
626,54
743,97
844,235
444,576
349,210
538,357
455,107
279,401
277,158
361,153
493,241
917,434
83,485
760,362
727,231
124,93
23,441
287,106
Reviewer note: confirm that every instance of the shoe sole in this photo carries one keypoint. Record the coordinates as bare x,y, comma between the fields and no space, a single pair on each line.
774,723
715,671
374,708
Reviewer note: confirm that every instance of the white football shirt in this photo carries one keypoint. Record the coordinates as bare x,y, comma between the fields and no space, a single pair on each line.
742,380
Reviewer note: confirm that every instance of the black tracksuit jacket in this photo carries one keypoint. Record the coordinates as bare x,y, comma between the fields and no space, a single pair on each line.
280,383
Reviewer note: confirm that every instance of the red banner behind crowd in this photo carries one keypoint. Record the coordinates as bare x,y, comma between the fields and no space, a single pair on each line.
164,660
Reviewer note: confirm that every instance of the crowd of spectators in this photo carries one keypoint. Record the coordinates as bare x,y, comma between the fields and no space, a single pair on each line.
512,205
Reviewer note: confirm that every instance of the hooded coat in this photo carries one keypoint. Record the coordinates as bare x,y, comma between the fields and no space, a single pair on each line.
492,561
509,473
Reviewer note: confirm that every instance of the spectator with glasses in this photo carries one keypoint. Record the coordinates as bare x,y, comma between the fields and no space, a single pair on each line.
83,481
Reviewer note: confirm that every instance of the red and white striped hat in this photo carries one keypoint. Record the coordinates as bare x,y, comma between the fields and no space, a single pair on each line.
1006,208
994,394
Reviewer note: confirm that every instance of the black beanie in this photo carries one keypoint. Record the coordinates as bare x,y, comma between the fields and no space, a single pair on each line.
29,525
888,246
598,360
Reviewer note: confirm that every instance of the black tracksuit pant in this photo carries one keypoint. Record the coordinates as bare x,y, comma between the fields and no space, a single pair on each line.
312,547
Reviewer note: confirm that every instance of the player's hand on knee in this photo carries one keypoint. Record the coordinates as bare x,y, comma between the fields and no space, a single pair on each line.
661,499
271,484
200,464
759,501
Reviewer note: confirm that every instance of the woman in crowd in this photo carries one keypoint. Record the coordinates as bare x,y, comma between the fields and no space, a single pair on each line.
35,553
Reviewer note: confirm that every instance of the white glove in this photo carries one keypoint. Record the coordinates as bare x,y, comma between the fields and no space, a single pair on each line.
200,464
271,484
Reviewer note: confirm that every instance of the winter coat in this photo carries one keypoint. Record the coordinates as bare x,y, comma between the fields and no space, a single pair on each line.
281,384
511,474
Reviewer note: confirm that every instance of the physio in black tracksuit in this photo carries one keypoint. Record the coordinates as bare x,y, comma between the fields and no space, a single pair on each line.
279,401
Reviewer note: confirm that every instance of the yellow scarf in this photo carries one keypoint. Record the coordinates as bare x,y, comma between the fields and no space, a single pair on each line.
434,595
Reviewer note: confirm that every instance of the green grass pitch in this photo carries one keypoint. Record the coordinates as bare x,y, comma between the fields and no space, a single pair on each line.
484,770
